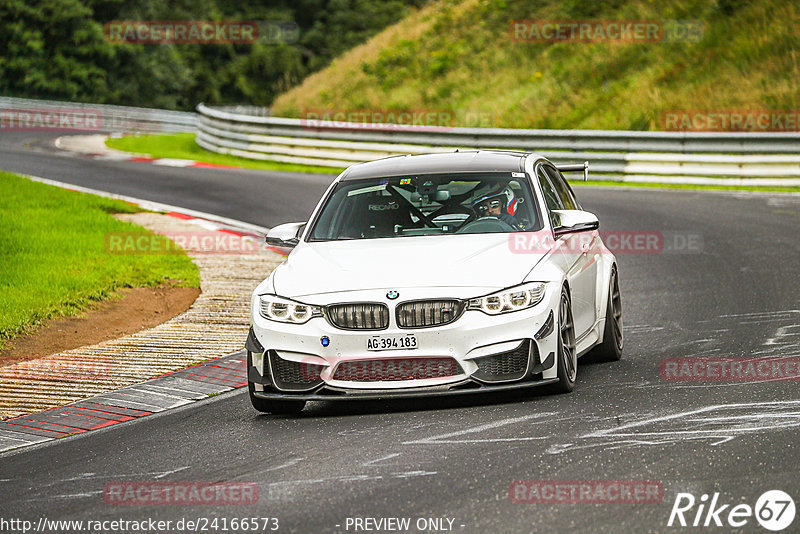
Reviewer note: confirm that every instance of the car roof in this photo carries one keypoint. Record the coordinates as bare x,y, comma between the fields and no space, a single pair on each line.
449,162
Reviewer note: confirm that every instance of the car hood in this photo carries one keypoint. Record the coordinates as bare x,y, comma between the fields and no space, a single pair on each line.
480,260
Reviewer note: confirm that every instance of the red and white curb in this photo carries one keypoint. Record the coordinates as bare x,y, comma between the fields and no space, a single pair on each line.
94,147
169,162
172,390
208,221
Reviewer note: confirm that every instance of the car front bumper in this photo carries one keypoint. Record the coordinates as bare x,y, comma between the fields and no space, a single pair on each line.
481,344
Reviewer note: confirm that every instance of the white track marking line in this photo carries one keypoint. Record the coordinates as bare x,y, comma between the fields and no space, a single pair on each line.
761,314
154,206
170,162
79,495
350,478
376,460
170,472
95,476
616,438
611,432
290,463
409,474
442,438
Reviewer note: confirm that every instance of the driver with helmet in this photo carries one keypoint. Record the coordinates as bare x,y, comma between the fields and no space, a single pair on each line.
500,204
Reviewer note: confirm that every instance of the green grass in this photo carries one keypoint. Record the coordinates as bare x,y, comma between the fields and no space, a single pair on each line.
53,256
182,146
458,55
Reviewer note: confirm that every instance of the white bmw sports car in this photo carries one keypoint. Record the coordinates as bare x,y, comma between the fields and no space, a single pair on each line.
434,274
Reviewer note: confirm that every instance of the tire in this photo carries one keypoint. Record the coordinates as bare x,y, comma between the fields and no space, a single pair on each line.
566,360
610,350
271,406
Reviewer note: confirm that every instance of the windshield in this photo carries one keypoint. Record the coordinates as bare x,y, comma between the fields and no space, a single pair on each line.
432,204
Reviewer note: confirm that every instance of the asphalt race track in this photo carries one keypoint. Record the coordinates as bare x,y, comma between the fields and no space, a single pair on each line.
240,194
724,283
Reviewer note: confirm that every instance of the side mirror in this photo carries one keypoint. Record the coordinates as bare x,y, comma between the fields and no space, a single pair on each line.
573,221
285,235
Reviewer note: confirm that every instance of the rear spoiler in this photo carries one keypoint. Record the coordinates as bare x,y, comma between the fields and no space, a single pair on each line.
576,167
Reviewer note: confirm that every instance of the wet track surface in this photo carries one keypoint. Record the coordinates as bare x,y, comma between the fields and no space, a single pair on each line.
733,292
246,195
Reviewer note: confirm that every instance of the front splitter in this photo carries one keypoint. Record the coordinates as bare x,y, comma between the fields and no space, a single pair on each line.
328,393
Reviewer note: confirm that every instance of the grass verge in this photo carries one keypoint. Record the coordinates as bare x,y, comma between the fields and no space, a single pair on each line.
182,146
53,255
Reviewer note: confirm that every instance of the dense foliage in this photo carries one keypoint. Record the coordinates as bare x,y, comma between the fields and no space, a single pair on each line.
57,49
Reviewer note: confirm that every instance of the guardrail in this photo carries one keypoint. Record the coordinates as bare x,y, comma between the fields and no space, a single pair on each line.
682,157
28,113
249,131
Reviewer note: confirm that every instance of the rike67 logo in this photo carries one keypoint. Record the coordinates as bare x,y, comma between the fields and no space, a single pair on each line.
774,510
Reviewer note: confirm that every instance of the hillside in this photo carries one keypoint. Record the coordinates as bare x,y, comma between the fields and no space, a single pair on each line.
460,56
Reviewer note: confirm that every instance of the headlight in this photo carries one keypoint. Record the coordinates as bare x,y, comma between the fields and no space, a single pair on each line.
509,300
284,310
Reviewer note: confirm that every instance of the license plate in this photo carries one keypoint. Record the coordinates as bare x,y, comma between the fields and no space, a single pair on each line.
408,341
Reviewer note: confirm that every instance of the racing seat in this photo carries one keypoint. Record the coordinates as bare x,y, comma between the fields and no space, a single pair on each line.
376,215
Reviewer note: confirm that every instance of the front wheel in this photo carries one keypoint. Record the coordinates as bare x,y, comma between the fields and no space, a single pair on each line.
567,360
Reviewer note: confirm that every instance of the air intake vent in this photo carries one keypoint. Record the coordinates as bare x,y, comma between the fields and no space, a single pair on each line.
396,369
427,313
294,376
506,366
359,316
